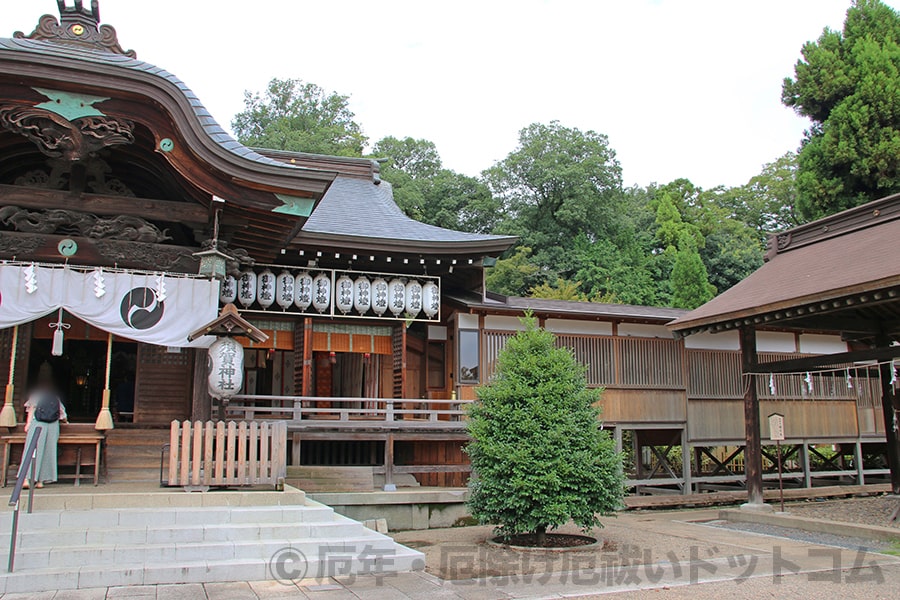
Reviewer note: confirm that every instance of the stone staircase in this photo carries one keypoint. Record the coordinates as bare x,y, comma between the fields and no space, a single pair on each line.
98,540
132,455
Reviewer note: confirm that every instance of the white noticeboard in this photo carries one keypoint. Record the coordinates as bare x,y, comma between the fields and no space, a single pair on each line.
776,427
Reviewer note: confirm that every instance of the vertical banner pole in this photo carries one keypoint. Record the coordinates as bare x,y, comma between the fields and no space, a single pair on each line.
8,413
104,419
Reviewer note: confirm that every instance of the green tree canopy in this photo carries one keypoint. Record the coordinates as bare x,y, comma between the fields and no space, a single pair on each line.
559,182
768,201
514,275
539,456
299,117
848,84
427,192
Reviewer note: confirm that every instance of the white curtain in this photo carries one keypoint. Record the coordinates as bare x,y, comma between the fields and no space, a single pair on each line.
137,306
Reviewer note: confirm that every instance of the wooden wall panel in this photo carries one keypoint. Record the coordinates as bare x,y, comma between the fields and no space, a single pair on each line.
716,420
320,341
435,453
467,392
340,342
382,344
163,386
642,406
398,350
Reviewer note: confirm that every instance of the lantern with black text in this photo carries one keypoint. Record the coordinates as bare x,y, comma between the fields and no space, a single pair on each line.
265,288
321,292
379,296
284,290
225,368
228,290
343,294
431,299
246,290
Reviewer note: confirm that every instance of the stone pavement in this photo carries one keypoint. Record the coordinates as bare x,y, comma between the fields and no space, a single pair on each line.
716,563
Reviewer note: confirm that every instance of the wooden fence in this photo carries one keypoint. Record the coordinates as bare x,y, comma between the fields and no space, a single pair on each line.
232,453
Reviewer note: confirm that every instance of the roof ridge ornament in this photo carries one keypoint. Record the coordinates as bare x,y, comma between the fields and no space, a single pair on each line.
77,26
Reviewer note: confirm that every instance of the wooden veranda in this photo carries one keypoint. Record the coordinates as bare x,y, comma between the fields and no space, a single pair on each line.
382,421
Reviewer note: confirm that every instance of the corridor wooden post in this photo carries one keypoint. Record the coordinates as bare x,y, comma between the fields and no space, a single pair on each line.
891,411
753,447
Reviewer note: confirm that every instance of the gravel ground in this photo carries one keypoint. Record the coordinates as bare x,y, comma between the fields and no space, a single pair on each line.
825,539
462,552
867,511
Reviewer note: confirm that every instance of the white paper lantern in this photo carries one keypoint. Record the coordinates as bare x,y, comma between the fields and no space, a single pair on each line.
379,296
228,290
225,368
303,284
321,291
413,298
343,294
431,299
362,295
396,297
246,293
265,288
284,290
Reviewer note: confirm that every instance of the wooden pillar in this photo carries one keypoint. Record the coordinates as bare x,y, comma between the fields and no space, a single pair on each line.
891,409
389,464
638,459
201,402
686,462
753,447
858,456
398,347
807,474
295,449
303,353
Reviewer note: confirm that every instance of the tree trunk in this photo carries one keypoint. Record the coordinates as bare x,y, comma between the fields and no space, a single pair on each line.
540,535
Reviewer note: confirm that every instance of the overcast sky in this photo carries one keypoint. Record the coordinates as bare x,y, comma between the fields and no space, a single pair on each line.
683,88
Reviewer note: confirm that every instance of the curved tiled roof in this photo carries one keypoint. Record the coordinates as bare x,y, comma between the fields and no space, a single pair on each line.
353,205
83,54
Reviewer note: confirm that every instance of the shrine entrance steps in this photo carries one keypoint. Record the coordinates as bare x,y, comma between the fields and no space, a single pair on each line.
133,455
88,540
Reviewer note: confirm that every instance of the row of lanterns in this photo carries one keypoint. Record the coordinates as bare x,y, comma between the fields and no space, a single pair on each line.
304,290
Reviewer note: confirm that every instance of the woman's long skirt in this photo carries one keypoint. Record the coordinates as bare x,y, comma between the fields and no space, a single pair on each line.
46,458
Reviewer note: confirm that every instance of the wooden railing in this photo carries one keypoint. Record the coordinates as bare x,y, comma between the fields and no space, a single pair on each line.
220,454
716,375
309,412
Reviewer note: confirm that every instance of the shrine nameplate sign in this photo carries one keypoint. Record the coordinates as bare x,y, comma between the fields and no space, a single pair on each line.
776,427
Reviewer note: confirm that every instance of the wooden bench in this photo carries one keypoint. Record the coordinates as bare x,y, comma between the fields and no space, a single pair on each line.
80,445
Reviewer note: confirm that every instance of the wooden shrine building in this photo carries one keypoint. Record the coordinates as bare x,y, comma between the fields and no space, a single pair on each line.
841,275
129,219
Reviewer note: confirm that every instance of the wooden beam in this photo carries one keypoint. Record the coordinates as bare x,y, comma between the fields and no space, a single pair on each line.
753,449
99,204
812,363
836,323
891,411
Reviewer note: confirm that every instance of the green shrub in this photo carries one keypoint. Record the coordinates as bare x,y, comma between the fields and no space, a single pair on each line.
539,457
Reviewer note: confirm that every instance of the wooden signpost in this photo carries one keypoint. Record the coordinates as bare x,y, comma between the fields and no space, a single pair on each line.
776,434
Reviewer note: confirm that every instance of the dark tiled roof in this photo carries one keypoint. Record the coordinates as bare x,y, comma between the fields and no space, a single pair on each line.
82,54
563,307
353,205
853,252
